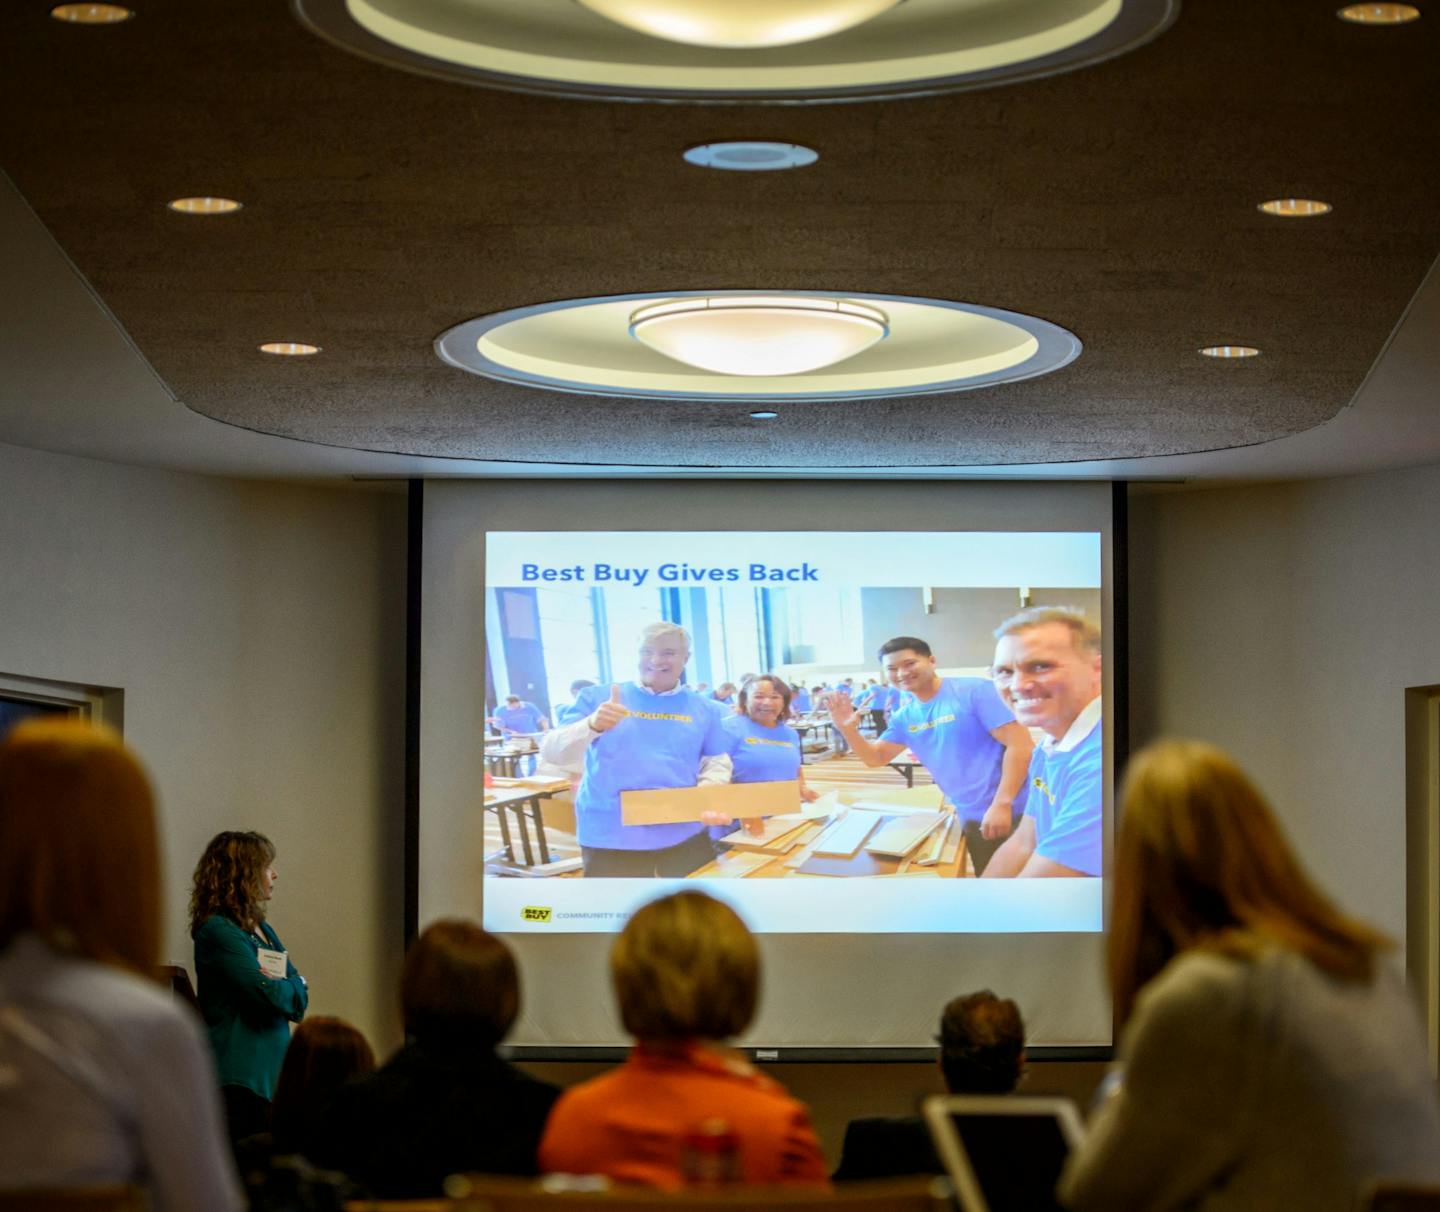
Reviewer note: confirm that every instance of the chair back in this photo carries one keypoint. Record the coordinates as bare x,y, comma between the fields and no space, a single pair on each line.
1401,1197
482,1193
74,1199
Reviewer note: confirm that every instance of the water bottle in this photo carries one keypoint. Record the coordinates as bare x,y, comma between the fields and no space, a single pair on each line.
710,1155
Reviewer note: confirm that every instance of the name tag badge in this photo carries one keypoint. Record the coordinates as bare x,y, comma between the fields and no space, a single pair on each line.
272,963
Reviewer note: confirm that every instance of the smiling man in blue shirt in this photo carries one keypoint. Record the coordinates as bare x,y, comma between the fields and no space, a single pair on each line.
1047,667
963,735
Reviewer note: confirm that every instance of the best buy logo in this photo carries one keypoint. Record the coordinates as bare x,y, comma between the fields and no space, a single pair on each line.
536,913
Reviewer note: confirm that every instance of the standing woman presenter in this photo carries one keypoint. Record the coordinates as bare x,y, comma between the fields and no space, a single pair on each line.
248,989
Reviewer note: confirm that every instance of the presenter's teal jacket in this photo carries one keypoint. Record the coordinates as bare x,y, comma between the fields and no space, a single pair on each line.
247,1013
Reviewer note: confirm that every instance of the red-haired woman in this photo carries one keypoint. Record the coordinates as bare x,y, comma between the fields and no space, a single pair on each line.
106,1077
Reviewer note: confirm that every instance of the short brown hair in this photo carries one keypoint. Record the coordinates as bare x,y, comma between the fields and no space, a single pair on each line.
230,879
782,688
685,967
79,860
982,1044
323,1054
1084,635
459,982
1202,863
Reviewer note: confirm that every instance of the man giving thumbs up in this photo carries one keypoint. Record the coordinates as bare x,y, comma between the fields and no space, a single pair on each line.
638,736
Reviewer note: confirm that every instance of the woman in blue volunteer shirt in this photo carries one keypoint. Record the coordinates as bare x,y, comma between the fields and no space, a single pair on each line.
637,736
765,749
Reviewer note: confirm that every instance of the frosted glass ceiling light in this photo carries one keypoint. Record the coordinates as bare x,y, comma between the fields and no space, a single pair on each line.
739,23
759,335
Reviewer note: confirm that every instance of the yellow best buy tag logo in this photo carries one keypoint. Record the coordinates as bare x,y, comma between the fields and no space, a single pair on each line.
536,913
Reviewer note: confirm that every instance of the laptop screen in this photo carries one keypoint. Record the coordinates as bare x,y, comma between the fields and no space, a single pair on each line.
1017,1159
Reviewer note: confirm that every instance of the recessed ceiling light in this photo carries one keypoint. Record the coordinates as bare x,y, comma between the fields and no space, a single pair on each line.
1379,14
1295,208
739,24
204,206
289,349
751,156
764,416
759,334
91,14
1230,351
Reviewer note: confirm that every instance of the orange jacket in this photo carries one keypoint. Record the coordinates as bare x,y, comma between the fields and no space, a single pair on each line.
630,1124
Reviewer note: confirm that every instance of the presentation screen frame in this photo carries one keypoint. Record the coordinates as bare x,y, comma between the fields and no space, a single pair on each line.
448,520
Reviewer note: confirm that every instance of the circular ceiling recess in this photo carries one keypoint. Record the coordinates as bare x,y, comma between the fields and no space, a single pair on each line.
915,48
590,346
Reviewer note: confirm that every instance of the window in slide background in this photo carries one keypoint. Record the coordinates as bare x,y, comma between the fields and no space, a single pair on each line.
568,628
626,616
735,645
823,626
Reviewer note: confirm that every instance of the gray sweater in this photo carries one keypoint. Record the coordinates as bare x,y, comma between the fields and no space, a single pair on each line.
1261,1085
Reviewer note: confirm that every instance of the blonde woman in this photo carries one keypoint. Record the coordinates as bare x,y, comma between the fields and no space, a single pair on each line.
1271,1057
686,973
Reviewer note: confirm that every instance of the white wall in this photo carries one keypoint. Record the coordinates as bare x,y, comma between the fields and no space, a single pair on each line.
1285,623
257,631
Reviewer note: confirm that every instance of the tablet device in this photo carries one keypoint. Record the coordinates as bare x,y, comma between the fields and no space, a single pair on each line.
1003,1152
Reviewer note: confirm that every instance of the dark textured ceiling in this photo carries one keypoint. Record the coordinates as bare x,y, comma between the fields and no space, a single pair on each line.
382,208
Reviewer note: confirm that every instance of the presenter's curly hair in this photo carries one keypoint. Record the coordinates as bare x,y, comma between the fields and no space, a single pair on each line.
230,880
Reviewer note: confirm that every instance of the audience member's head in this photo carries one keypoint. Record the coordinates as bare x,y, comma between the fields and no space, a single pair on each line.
1201,862
232,879
982,1044
79,861
685,967
459,986
323,1055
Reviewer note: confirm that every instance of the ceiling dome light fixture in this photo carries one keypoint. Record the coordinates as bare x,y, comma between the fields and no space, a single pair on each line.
204,206
739,24
1295,208
1230,351
759,335
91,14
1379,14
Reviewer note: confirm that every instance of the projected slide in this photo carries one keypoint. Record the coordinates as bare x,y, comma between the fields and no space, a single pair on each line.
837,732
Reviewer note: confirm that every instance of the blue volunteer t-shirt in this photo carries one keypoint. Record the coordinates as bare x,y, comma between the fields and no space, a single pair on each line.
659,744
760,754
1065,800
523,717
951,736
800,703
